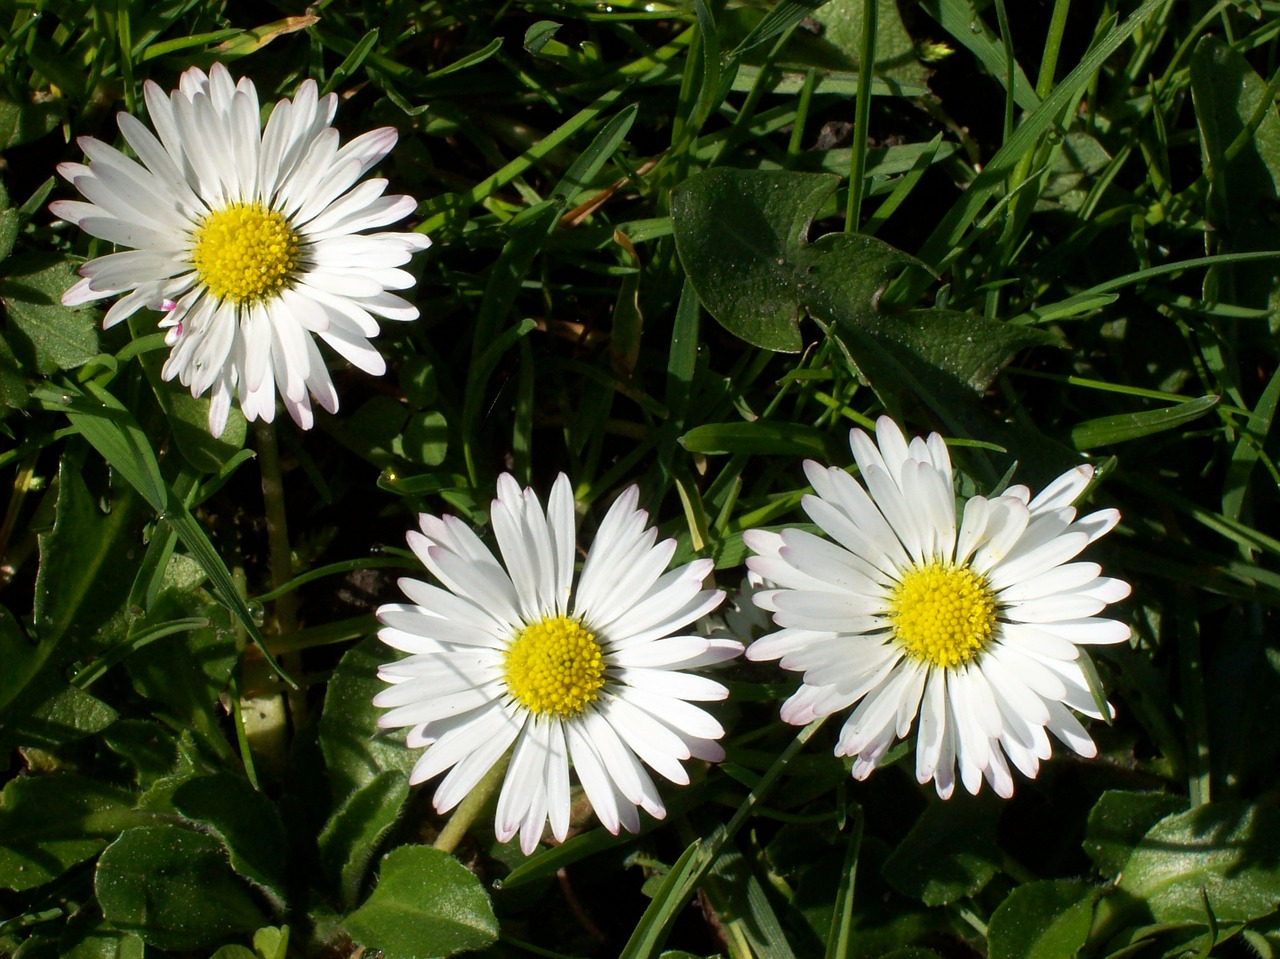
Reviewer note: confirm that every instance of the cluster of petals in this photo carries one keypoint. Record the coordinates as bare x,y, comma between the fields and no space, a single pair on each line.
209,152
452,689
831,601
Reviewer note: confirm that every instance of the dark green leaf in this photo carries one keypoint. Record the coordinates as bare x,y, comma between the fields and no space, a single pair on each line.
426,903
100,941
37,706
247,823
23,122
43,332
187,671
1119,820
355,749
87,561
147,745
50,823
426,438
9,220
950,853
1225,853
1042,920
189,419
742,237
174,888
354,836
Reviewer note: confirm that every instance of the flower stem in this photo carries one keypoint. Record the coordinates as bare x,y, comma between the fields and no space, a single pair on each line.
292,709
470,808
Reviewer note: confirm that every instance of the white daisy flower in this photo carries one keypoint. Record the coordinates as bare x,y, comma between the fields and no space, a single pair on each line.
976,630
518,658
248,239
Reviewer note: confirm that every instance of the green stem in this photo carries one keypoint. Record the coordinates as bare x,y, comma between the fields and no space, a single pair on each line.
862,114
469,809
285,606
1052,45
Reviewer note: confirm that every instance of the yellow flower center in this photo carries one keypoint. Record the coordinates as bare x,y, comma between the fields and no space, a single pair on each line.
943,613
245,252
555,666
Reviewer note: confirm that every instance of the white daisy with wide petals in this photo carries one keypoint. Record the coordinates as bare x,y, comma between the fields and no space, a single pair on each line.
509,655
249,239
974,627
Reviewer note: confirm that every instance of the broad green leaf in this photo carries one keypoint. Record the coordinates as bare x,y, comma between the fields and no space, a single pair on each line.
1119,820
41,331
187,671
100,941
23,122
1131,426
271,942
13,385
355,749
741,236
426,903
354,836
1231,101
234,952
895,57
1221,853
147,745
1042,920
950,853
87,561
189,419
425,439
247,823
50,823
37,706
8,231
174,888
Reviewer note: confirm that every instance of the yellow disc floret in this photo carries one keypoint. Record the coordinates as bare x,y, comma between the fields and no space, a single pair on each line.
942,613
245,252
555,666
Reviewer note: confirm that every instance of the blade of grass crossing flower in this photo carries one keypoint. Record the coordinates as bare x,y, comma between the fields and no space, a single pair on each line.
839,936
651,931
1248,449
